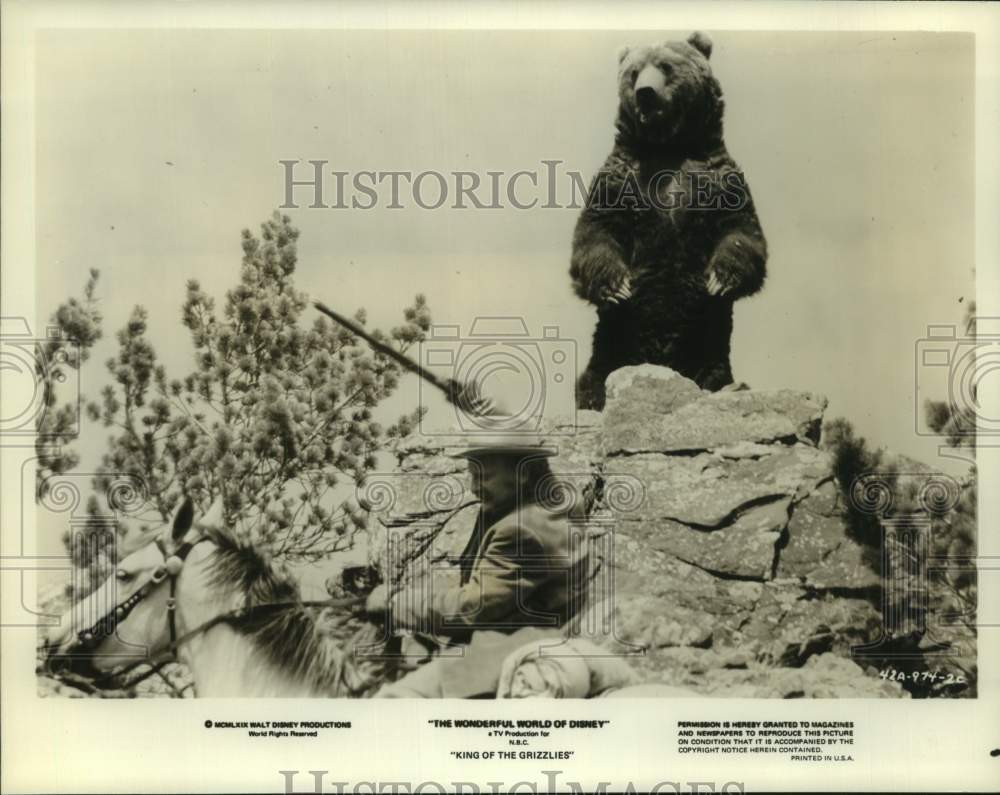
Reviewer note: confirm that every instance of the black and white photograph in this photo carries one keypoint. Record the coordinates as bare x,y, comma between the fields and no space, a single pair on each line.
613,385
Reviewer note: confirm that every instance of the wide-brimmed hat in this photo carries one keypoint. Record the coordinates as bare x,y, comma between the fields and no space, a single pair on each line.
507,443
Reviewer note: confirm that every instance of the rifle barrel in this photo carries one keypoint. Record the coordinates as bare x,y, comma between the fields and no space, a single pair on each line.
449,387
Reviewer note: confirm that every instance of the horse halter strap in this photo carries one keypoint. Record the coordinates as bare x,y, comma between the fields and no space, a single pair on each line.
172,564
171,567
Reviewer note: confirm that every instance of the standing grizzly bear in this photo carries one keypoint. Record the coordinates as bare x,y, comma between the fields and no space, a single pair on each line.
669,238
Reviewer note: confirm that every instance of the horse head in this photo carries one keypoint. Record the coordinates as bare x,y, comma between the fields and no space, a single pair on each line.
197,580
130,617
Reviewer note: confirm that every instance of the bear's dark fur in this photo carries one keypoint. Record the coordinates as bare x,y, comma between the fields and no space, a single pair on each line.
669,238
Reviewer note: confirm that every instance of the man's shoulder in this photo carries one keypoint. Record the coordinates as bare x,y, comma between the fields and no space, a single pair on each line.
534,520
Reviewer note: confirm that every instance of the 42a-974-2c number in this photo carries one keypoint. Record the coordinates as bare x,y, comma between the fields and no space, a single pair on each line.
892,675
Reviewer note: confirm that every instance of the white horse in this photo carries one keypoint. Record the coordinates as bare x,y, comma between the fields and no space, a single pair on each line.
197,595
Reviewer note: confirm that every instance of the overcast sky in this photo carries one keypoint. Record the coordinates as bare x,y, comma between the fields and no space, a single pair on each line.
155,148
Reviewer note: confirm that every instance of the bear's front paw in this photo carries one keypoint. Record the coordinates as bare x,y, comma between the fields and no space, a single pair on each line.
724,275
619,290
717,286
736,269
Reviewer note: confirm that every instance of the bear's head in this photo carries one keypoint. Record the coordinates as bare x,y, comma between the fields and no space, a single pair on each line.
668,94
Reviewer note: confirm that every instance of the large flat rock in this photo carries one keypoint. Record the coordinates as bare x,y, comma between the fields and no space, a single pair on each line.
707,490
819,551
646,390
646,599
744,548
664,414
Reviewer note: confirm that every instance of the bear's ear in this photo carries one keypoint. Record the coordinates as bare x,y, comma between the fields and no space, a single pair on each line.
701,43
622,55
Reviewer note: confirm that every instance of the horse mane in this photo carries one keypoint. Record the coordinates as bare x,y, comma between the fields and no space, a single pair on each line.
308,644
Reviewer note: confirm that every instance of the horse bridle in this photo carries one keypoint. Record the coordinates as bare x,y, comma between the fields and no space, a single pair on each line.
104,627
173,562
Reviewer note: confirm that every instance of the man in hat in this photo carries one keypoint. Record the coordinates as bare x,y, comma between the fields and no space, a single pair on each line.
521,576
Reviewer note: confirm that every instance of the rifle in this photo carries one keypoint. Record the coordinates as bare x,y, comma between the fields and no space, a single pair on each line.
466,396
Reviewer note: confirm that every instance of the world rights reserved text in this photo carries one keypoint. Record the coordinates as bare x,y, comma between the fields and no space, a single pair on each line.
278,729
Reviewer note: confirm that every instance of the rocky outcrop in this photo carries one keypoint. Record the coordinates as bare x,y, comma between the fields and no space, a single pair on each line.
720,560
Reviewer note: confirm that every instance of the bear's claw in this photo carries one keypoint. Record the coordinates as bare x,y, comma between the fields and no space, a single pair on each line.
621,292
717,286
